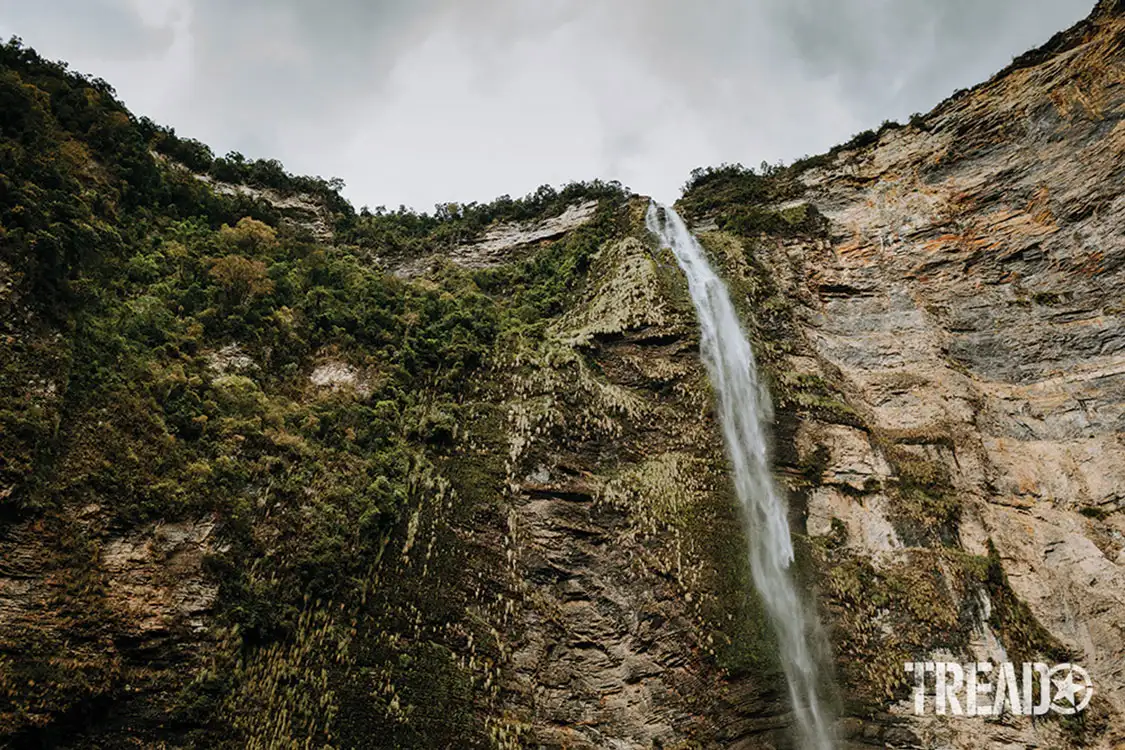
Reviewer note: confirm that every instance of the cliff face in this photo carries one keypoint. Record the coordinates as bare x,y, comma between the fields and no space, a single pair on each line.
402,481
963,298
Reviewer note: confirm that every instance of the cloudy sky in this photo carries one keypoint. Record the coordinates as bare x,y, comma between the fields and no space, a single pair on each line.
421,101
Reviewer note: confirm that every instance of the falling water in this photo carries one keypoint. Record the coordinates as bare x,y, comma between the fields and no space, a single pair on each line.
744,409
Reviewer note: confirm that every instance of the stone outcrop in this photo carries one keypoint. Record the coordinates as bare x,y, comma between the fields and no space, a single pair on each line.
298,210
495,246
502,242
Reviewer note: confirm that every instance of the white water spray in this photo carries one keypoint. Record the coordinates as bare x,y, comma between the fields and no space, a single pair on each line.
744,409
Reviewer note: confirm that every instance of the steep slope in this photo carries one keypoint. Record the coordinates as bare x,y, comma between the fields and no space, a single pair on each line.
956,284
278,474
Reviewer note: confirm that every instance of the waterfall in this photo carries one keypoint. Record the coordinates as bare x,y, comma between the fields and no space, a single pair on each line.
744,409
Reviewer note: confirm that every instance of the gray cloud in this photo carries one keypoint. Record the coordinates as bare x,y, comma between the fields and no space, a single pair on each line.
898,56
419,101
120,32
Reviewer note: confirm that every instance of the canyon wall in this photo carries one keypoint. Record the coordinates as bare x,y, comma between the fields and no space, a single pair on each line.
463,487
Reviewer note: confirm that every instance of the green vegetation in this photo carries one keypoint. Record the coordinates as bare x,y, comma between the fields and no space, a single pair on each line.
404,232
1023,637
926,508
861,140
745,643
164,355
813,395
801,219
737,196
1046,298
906,610
716,187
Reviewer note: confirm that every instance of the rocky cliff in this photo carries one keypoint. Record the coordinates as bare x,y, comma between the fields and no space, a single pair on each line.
284,478
961,299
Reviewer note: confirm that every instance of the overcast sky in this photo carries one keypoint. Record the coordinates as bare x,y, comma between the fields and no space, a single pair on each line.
421,101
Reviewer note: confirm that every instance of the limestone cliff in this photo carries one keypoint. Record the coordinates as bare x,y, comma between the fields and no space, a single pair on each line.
961,298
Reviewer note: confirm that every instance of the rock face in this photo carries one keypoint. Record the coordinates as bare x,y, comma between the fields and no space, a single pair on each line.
138,616
965,303
496,245
298,210
501,243
632,595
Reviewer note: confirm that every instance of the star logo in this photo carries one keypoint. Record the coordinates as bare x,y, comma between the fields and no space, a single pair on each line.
1073,688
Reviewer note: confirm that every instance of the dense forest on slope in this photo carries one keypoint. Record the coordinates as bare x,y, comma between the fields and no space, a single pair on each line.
158,339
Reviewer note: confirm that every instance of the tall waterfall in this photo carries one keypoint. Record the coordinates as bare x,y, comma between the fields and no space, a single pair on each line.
744,409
